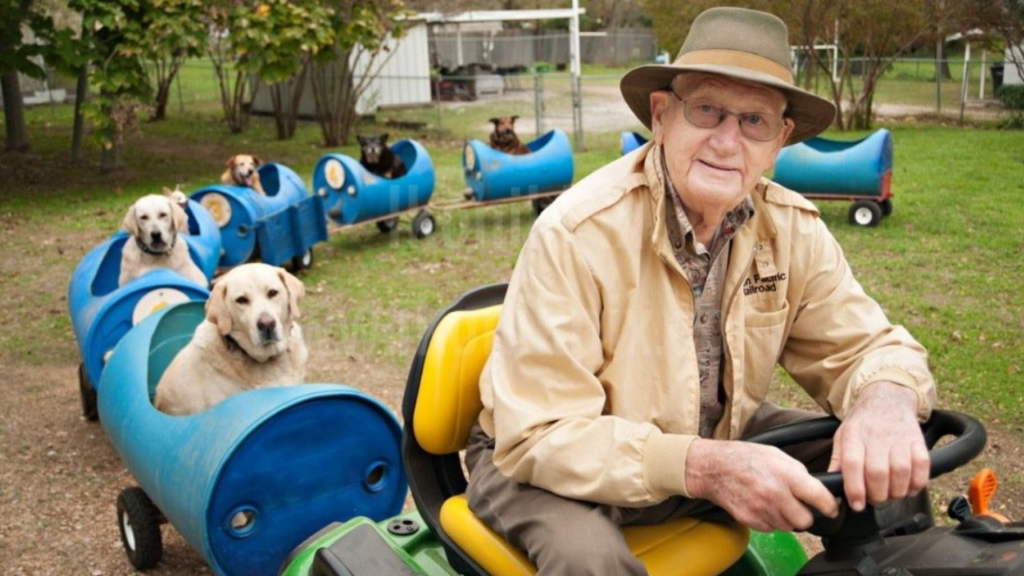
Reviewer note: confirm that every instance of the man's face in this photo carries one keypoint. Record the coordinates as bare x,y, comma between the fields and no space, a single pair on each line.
719,166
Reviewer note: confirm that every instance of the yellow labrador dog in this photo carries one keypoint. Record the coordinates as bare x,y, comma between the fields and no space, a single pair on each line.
241,171
154,223
250,339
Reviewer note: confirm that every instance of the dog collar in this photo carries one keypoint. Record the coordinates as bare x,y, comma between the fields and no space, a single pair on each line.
234,347
142,246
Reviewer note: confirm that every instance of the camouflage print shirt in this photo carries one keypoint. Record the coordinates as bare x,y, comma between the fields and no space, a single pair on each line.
705,269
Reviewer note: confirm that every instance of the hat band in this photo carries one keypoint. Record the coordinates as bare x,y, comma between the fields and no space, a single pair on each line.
737,59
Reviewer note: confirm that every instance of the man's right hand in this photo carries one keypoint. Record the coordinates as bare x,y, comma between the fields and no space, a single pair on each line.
761,486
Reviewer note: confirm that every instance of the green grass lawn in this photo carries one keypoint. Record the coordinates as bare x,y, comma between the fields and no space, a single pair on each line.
948,264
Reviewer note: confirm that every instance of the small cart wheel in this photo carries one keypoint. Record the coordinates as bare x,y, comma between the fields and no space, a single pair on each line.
88,394
303,261
423,224
865,213
139,521
886,206
539,204
387,226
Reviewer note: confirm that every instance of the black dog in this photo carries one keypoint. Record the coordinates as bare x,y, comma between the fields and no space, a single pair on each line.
378,158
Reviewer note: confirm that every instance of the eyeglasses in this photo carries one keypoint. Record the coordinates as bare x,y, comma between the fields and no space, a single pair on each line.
704,113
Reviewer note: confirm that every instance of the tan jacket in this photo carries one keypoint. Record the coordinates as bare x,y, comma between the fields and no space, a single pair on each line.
592,388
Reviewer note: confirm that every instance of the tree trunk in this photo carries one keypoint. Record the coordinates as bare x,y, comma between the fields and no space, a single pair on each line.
81,94
112,159
14,112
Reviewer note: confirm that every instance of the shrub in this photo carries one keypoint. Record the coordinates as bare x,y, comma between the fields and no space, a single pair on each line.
1012,97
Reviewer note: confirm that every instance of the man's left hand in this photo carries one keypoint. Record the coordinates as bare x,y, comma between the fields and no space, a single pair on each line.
880,448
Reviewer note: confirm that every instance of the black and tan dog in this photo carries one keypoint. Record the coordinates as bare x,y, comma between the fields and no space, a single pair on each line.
377,157
504,136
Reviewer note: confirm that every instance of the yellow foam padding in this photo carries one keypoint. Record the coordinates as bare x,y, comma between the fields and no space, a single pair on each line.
448,401
683,547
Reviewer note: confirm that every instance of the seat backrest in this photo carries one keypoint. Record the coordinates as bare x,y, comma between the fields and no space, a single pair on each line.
449,396
441,404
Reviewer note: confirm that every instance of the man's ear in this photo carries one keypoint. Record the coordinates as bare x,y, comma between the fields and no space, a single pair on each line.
296,290
659,101
178,216
780,141
131,224
216,309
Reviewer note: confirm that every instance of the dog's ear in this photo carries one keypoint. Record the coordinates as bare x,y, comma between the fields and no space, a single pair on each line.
168,192
216,309
296,290
131,224
361,139
178,215
495,121
384,138
513,119
230,163
257,160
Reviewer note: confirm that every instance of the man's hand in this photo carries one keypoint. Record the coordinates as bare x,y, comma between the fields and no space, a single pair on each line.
879,447
760,486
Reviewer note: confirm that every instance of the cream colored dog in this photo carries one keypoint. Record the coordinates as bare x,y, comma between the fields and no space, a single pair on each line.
154,222
250,339
241,171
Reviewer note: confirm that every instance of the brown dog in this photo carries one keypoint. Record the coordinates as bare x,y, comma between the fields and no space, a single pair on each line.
241,171
504,136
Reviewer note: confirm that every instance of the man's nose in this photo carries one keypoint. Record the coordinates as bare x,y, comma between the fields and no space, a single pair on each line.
728,133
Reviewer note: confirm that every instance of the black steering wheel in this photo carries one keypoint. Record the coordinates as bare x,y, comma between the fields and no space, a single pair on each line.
969,441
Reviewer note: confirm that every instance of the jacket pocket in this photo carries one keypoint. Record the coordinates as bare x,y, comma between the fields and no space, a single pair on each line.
763,333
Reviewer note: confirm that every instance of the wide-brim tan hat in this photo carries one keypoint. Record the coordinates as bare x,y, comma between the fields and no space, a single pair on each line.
747,45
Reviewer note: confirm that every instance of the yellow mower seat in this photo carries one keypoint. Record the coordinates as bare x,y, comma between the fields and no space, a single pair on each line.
445,402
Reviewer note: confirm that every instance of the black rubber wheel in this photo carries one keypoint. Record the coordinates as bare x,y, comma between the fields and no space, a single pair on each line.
423,224
303,261
387,226
539,204
88,395
886,206
865,213
139,522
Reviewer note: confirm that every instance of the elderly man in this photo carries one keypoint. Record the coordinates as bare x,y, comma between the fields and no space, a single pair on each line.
649,308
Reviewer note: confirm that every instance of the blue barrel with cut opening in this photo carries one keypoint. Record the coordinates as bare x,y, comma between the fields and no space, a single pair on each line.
248,480
631,141
102,312
353,194
825,167
237,210
495,175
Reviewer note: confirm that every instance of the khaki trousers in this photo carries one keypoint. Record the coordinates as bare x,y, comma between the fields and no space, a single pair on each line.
565,537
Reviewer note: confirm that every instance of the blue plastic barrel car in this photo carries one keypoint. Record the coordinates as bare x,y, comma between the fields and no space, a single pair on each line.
494,175
248,480
858,170
352,194
631,141
238,210
103,312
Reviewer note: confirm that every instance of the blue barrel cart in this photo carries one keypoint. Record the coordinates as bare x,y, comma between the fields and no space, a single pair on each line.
252,477
859,170
496,177
354,195
630,141
103,312
278,228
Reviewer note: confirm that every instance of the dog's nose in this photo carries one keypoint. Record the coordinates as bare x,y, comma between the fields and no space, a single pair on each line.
266,325
156,236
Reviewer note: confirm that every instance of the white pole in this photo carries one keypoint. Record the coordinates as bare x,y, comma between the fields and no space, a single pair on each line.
981,87
574,56
458,45
964,81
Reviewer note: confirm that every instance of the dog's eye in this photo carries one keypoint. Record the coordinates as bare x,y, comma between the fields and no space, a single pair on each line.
243,300
163,215
271,293
144,217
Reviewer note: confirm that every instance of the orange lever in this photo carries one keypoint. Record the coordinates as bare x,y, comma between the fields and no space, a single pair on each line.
983,487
